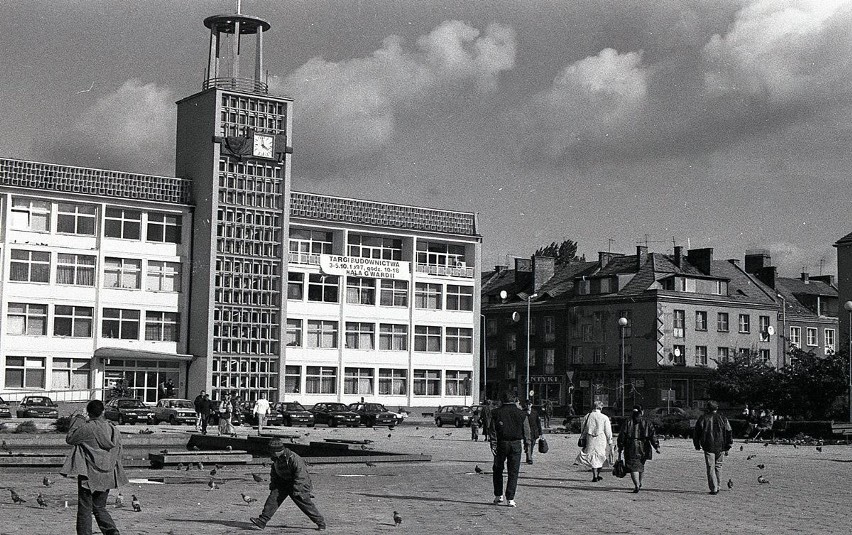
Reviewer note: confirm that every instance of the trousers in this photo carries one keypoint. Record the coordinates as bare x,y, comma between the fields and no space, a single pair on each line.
714,468
508,453
89,503
303,502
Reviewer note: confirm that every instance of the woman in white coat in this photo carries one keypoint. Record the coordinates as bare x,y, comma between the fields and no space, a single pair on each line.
596,432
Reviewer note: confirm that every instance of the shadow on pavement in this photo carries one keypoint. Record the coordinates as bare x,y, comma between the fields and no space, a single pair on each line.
627,489
246,526
422,498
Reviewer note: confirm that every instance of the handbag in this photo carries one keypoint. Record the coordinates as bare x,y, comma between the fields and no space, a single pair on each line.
542,446
618,469
582,441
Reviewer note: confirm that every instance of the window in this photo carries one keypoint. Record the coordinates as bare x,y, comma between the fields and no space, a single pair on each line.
67,373
679,353
587,332
72,321
598,355
745,324
75,219
811,334
532,356
511,341
723,354
427,296
76,269
323,288
294,333
700,320
393,337
307,245
120,323
763,326
29,266
427,339
722,323
393,293
163,228
511,370
679,323
744,352
295,286
163,276
27,319
427,382
456,383
550,361
829,341
628,329
459,340
25,372
628,354
358,381
162,326
720,287
123,224
550,329
576,355
491,326
764,356
292,378
30,215
491,358
322,334
701,355
796,336
459,297
360,335
440,254
393,382
360,291
321,380
374,247
124,273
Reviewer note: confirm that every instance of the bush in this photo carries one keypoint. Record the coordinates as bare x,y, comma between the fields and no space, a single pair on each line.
815,429
739,428
26,427
62,424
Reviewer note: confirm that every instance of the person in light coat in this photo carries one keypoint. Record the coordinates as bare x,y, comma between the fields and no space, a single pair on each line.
597,431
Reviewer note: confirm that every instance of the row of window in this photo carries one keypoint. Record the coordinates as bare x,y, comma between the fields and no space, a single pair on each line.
363,381
81,220
812,338
79,270
393,293
325,334
32,319
722,323
492,326
31,372
549,359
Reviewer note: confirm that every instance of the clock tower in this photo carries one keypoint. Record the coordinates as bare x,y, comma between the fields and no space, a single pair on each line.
234,143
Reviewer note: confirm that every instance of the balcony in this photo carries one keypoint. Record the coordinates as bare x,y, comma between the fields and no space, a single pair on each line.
303,258
446,271
246,85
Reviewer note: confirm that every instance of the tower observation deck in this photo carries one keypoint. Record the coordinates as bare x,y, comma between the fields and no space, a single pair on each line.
223,71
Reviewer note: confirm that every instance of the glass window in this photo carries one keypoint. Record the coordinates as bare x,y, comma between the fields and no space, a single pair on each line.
25,372
393,382
701,355
321,380
796,336
576,355
358,381
745,324
120,323
459,297
374,247
295,286
164,228
457,383
459,340
75,219
29,266
763,328
427,339
162,326
628,329
28,214
322,334
722,324
163,276
764,355
323,288
360,335
491,358
292,379
440,254
723,354
427,296
598,355
75,269
679,323
26,319
123,224
628,354
811,333
360,291
829,341
125,273
306,245
394,293
427,382
393,337
700,320
70,374
294,332
72,321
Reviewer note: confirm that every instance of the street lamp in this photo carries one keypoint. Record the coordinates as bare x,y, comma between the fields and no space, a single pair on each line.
622,322
529,300
848,306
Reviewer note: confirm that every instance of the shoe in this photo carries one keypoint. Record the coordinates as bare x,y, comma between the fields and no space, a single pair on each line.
530,461
636,490
320,527
714,492
258,522
511,503
498,500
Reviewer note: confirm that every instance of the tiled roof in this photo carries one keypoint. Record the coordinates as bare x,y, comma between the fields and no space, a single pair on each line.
562,281
741,286
791,289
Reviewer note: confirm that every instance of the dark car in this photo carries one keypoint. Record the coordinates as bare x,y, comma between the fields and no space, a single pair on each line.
334,414
293,413
5,412
175,411
457,415
37,407
247,414
128,411
374,414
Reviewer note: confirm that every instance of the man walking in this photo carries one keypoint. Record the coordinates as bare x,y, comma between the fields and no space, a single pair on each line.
535,431
713,435
288,477
96,461
510,428
261,409
197,404
204,408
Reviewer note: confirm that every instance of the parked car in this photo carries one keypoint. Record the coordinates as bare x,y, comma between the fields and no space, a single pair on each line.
37,407
5,412
128,411
334,414
293,413
458,415
247,414
373,414
175,411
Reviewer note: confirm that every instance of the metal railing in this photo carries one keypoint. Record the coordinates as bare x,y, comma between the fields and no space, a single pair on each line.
303,258
56,395
248,85
445,271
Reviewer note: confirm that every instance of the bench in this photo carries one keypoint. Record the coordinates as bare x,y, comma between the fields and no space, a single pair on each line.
842,428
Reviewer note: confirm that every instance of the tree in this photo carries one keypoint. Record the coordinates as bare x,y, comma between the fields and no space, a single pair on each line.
744,379
813,387
563,252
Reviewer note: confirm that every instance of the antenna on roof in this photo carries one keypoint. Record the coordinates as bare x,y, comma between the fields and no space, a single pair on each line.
609,243
239,6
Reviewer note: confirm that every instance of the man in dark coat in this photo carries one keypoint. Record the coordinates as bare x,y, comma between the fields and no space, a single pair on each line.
713,435
204,407
636,439
535,431
288,477
510,428
197,404
485,419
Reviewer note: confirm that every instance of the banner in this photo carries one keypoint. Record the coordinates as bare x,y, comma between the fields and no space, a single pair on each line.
353,266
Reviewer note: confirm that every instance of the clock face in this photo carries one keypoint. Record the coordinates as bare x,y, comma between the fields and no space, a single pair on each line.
262,147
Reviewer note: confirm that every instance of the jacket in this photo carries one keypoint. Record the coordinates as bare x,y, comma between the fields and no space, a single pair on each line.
289,474
536,428
639,435
713,433
509,423
96,454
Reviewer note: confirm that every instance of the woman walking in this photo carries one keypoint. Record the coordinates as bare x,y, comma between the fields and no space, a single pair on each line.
225,408
636,438
596,441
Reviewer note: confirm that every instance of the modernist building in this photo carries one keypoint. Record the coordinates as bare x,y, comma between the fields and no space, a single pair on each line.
384,298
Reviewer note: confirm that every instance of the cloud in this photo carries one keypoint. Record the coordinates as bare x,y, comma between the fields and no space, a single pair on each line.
131,129
350,110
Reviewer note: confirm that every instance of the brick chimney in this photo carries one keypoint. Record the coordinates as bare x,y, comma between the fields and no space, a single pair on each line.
641,256
701,259
543,269
767,275
806,277
756,259
678,255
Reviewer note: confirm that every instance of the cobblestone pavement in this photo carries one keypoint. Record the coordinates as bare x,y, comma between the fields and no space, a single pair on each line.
808,492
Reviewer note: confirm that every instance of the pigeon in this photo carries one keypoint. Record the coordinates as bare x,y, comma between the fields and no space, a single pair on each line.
229,448
212,484
433,436
46,482
164,451
188,467
741,448
762,480
119,500
5,447
40,500
219,466
390,434
819,449
449,434
247,498
371,464
766,445
730,484
194,447
179,466
213,472
761,466
477,469
15,498
257,478
750,457
200,465
134,501
397,520
795,446
417,428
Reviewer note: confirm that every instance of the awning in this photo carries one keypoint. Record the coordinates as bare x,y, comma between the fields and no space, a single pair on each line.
122,353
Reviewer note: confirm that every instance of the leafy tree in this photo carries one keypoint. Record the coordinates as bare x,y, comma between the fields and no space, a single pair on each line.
813,387
744,379
563,252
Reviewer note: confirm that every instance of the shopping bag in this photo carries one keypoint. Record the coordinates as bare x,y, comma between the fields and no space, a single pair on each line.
542,446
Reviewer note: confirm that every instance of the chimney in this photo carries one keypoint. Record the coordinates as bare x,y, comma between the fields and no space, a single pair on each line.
523,265
543,270
756,259
641,256
767,275
678,255
806,277
701,259
827,279
605,257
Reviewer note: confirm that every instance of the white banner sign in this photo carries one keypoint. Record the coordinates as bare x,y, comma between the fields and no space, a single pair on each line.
353,266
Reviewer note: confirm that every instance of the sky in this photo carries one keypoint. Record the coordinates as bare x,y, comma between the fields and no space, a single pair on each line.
705,123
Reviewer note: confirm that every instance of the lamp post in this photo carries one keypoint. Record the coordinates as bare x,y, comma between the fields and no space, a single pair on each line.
622,322
529,300
848,306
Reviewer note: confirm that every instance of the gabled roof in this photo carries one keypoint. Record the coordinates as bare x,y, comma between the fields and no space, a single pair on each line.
792,289
562,281
742,286
845,240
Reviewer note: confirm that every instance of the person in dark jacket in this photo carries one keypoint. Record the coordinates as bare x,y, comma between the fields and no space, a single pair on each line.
510,428
204,408
636,439
485,419
288,477
197,404
474,425
713,435
535,431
